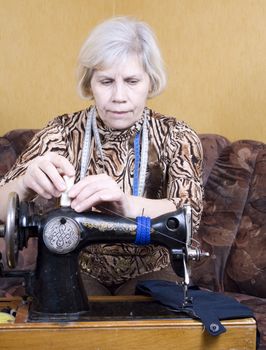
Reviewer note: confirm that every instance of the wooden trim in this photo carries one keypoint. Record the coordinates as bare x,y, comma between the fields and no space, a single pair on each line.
151,334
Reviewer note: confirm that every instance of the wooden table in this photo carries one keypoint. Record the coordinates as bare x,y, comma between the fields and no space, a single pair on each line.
107,334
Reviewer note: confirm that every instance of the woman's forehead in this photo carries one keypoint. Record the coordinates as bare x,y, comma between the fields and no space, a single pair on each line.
130,64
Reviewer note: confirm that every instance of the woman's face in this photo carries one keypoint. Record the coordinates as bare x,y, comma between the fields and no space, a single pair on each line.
121,92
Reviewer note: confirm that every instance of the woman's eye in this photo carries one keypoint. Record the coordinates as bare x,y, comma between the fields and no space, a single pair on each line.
106,82
132,81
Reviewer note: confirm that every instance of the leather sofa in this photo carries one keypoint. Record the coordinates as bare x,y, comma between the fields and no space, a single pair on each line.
233,226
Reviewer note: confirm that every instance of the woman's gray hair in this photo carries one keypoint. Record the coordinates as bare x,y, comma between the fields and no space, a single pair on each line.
112,41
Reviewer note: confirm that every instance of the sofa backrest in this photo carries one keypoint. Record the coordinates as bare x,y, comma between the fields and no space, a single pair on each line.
11,146
233,225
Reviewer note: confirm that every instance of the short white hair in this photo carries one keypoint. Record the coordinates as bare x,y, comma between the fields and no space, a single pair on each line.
112,41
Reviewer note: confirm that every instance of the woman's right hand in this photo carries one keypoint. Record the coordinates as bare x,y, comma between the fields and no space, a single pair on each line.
44,175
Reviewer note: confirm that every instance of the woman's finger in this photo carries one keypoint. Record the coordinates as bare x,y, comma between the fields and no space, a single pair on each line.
35,187
45,181
88,189
89,183
62,164
104,195
45,175
52,173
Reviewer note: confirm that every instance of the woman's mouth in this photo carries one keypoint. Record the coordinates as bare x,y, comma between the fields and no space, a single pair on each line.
119,112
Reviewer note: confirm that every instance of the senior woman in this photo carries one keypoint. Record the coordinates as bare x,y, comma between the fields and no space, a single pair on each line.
125,158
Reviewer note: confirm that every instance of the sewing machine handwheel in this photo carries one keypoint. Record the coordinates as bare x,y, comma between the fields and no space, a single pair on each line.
11,230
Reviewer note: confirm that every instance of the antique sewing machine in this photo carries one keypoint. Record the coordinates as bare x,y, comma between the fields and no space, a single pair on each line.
55,287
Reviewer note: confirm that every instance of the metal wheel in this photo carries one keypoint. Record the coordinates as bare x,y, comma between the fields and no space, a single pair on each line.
11,230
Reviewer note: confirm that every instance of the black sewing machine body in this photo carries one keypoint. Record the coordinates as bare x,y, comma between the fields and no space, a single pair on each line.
55,286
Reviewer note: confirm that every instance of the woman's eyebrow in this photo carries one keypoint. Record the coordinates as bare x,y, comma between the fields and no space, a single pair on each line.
104,76
133,76
107,76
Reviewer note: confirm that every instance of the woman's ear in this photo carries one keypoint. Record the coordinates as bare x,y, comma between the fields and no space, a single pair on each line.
150,91
150,87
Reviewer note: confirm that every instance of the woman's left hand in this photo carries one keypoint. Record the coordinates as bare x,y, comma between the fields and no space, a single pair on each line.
99,191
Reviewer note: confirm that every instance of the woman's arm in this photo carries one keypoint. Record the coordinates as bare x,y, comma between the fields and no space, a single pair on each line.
39,169
149,207
13,186
43,177
102,192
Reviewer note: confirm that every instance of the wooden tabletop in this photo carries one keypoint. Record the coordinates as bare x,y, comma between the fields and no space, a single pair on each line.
152,334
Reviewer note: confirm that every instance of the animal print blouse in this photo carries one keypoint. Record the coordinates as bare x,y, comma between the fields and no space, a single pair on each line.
174,172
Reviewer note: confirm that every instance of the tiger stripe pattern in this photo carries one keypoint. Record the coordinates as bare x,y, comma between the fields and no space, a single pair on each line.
174,172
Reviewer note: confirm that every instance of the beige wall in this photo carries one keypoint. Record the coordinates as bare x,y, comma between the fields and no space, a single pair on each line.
215,52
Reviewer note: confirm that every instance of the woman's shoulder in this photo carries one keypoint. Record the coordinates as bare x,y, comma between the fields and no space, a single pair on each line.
171,125
177,134
69,120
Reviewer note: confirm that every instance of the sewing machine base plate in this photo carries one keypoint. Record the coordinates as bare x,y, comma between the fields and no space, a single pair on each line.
110,333
109,309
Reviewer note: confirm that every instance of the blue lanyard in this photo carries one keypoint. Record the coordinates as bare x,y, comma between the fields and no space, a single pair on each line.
136,167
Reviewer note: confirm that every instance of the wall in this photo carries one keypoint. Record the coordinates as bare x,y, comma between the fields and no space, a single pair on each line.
215,52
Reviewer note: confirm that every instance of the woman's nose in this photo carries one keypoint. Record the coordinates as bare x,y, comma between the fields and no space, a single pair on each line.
119,93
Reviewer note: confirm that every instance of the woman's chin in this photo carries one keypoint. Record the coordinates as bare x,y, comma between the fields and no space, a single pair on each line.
119,124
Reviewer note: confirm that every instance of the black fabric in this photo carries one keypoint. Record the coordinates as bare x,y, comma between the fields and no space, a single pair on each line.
210,307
